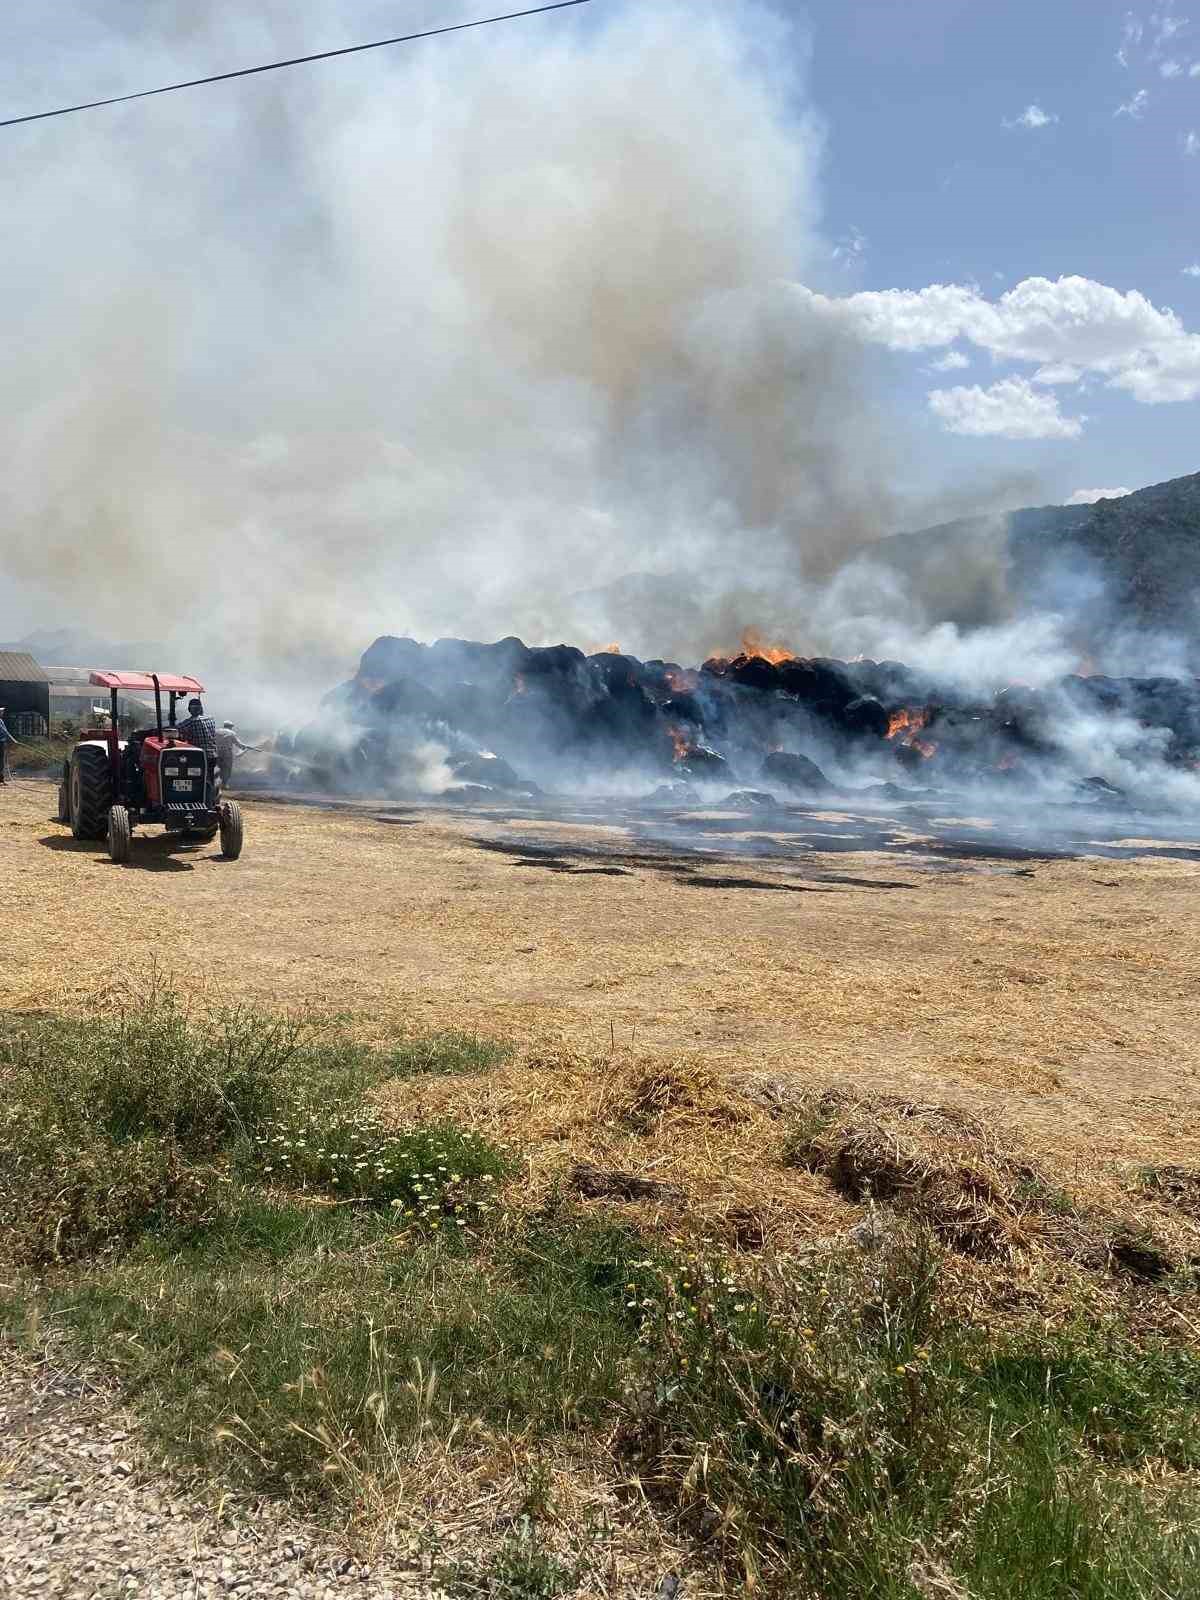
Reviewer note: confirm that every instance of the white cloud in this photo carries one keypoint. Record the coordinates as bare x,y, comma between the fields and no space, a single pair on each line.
1088,497
1010,409
851,248
1031,117
1193,271
1171,69
1131,35
1194,70
955,361
1191,145
1057,372
1166,25
1070,322
1134,108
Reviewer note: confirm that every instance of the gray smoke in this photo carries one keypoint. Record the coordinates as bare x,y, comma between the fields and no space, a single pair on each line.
425,341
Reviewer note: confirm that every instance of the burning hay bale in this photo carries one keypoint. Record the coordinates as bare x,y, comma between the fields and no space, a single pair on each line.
560,715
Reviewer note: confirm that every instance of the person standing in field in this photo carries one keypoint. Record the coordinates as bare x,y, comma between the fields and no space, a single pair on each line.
5,741
229,746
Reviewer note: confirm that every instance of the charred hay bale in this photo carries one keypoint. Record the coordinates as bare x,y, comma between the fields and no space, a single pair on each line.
484,664
477,767
865,718
684,708
390,658
698,761
406,697
822,685
748,800
794,771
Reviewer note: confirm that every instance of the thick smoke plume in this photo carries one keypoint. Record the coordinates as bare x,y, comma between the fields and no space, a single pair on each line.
428,341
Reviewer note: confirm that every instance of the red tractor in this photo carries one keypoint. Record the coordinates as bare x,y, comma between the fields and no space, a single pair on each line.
111,785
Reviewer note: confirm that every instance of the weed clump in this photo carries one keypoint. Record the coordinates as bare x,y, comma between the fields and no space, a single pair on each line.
823,1430
126,1121
426,1174
449,1053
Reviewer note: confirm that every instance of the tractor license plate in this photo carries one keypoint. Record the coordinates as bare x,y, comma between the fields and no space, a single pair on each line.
184,785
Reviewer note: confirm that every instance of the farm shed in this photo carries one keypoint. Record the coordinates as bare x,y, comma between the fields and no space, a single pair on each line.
24,691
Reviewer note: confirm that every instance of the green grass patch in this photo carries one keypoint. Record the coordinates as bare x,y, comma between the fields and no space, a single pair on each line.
119,1123
823,1429
430,1173
464,1054
296,1348
301,1298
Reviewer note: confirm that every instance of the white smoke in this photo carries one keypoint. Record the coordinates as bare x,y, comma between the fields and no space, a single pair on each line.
422,341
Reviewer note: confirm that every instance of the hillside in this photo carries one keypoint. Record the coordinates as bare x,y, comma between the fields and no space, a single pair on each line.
1132,562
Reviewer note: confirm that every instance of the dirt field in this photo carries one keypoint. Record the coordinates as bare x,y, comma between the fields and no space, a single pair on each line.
1059,995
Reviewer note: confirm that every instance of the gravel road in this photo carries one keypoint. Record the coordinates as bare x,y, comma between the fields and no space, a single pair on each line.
85,1516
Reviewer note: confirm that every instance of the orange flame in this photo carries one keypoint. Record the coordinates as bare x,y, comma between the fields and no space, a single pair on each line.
681,742
908,720
906,724
753,644
683,681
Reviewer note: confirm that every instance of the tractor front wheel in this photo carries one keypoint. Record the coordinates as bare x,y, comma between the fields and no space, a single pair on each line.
120,834
231,830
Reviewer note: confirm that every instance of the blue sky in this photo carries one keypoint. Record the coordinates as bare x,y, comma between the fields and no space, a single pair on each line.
936,172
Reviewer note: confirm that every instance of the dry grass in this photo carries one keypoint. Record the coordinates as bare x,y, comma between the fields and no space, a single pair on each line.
682,1127
698,1157
1061,1004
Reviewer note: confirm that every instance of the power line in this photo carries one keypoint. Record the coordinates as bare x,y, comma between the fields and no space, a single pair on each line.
295,61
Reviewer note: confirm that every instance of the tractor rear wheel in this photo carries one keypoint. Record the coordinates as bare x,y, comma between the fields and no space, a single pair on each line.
120,834
89,793
231,830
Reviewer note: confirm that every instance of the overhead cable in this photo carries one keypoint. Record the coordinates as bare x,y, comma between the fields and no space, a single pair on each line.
294,61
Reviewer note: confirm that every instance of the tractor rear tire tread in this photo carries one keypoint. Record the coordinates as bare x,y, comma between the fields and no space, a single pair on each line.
90,792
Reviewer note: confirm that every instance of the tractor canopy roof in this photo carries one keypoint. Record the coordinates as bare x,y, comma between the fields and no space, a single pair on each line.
145,680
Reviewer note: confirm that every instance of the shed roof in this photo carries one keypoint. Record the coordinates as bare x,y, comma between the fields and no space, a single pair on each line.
17,666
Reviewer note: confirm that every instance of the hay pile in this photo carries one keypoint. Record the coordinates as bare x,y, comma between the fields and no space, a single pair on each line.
759,1162
676,1144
